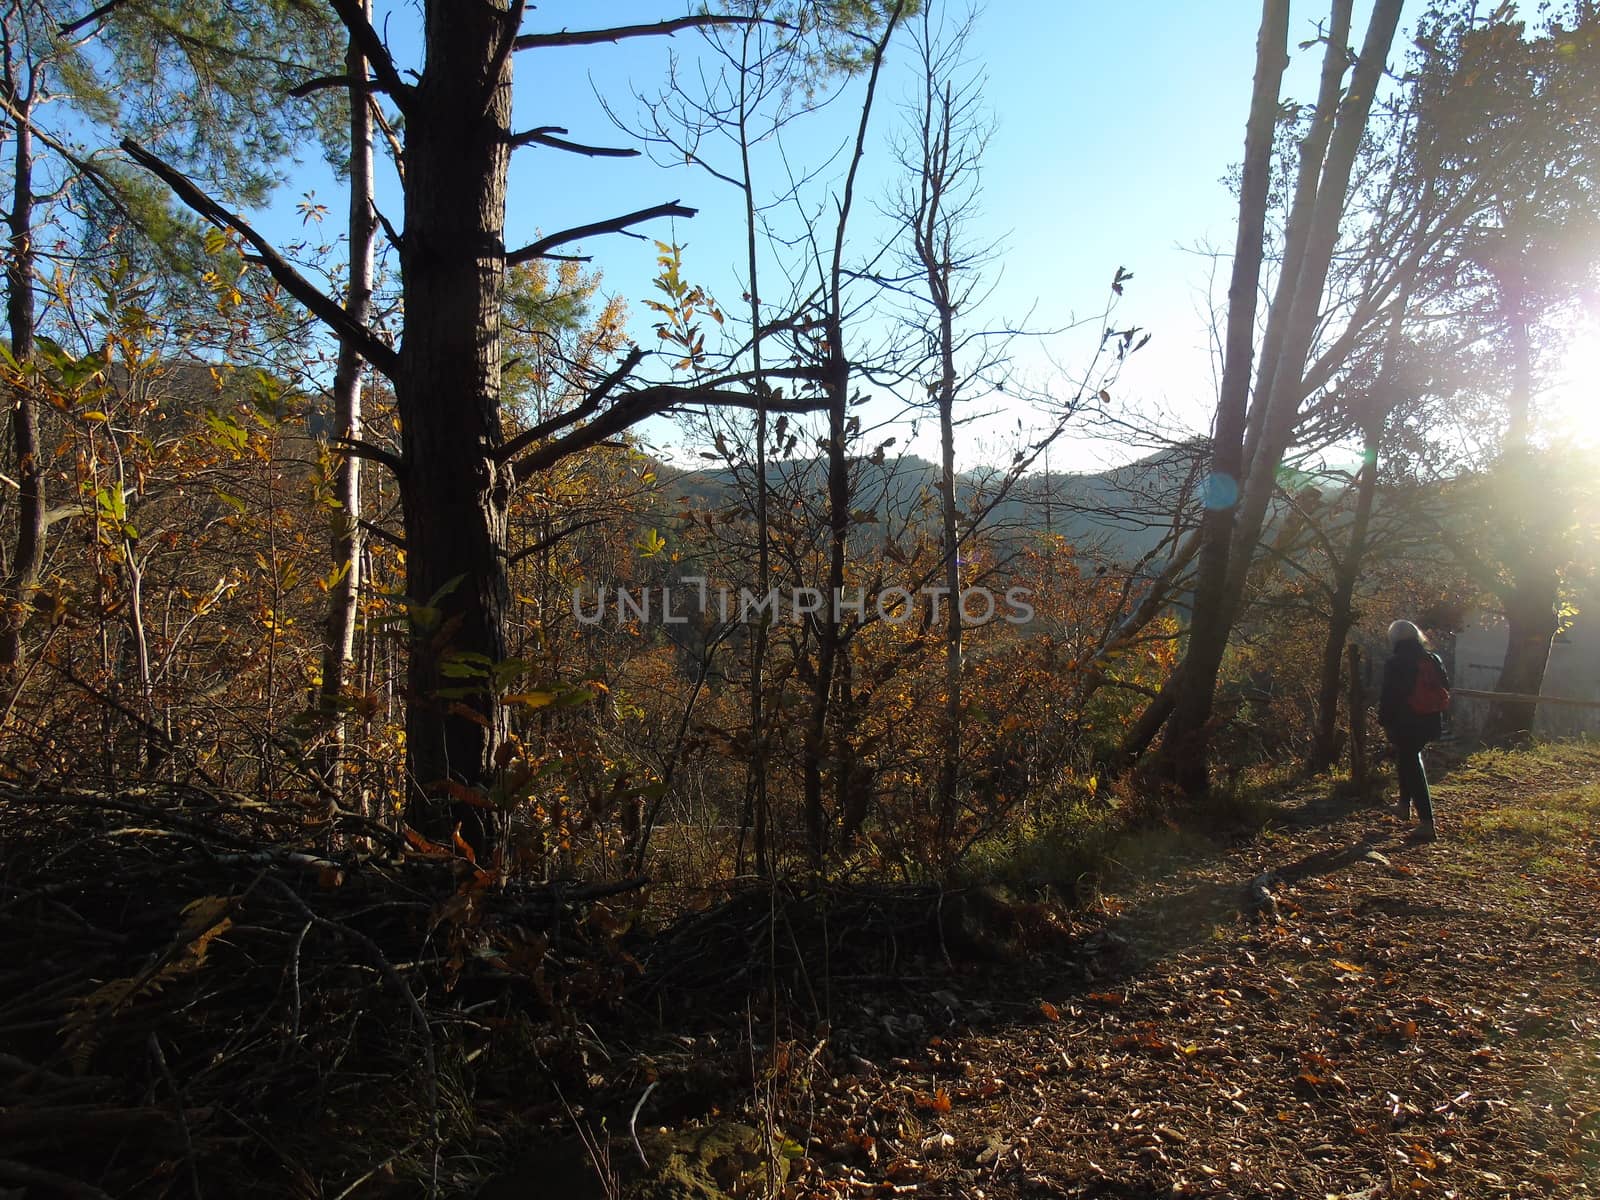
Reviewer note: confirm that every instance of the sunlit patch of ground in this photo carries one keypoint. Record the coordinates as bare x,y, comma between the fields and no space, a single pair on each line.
1413,1020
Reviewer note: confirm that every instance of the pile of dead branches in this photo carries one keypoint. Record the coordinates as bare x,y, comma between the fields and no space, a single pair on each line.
788,938
204,995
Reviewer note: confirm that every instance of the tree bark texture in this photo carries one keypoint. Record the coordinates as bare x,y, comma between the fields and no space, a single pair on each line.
455,492
344,596
27,555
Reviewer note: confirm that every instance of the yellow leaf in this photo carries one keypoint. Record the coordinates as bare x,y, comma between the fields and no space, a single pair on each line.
531,699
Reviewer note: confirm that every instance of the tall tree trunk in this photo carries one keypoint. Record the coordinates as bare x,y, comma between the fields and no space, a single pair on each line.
756,799
1187,746
1302,214
343,598
454,491
832,634
830,626
950,741
1347,569
1342,617
1530,612
1530,603
27,558
1208,634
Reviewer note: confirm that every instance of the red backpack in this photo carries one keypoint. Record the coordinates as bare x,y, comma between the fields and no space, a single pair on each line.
1428,694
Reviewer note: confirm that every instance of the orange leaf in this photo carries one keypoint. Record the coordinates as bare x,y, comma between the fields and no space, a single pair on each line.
939,1102
1423,1157
423,846
462,846
1051,1013
462,794
458,709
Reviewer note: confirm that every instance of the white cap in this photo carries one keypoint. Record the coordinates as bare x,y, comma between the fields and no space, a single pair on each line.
1403,631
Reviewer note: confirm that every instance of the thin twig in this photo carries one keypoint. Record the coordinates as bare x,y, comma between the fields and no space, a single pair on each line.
633,1123
182,1115
430,1064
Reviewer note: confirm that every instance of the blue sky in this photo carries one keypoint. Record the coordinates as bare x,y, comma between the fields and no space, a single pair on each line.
1116,125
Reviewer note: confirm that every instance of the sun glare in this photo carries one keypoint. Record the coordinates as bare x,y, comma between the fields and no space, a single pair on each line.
1569,409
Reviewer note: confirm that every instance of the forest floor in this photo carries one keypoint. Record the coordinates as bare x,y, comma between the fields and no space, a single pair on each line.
203,995
1414,1019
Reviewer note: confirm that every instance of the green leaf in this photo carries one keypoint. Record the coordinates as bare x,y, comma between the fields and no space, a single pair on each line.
445,589
466,665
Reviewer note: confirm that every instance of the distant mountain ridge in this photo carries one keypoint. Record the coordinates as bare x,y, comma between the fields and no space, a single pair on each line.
1116,515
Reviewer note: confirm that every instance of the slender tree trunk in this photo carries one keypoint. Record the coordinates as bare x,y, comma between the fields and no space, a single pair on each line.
454,492
27,557
1302,214
756,800
150,748
950,741
339,639
1347,570
1187,746
1342,618
830,627
1358,722
1208,634
832,634
934,221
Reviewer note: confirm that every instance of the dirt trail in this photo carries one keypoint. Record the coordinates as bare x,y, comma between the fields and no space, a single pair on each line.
1412,1020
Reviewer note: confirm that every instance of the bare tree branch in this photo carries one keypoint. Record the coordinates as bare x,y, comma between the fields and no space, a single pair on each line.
104,10
376,53
502,51
382,534
596,37
615,225
327,82
545,543
650,402
542,136
359,449
591,403
317,302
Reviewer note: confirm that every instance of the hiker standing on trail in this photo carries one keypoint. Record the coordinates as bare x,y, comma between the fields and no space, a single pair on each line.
1411,711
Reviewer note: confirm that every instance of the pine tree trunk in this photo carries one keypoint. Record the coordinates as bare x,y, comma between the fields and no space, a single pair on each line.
27,558
454,492
343,598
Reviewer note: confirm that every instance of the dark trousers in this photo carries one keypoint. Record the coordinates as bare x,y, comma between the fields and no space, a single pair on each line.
1413,781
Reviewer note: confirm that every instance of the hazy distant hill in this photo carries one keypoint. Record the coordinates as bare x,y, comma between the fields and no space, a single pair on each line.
1116,514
